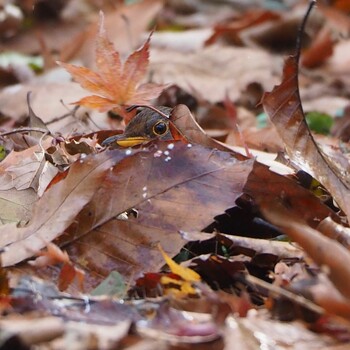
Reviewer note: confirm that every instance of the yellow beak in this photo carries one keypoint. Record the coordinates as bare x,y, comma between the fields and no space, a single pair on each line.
131,141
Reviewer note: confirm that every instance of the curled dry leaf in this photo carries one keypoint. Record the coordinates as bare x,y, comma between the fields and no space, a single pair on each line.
335,231
283,105
26,169
54,255
115,85
186,124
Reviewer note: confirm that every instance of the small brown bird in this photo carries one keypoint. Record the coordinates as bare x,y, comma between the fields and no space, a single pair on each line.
146,126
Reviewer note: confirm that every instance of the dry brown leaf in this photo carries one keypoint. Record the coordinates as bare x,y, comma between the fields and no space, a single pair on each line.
26,169
335,231
213,74
320,50
46,100
324,251
168,187
57,208
283,105
15,206
230,30
263,184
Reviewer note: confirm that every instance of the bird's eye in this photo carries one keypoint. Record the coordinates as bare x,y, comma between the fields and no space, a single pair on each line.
160,128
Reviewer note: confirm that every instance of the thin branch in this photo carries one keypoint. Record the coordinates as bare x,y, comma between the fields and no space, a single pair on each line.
302,30
287,294
15,131
129,109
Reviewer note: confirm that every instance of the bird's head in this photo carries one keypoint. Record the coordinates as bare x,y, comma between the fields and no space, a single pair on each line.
146,126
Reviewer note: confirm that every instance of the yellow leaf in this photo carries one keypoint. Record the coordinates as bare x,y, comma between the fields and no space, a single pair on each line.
184,272
185,287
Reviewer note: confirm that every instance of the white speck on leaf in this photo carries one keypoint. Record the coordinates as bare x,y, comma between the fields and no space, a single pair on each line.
157,154
171,146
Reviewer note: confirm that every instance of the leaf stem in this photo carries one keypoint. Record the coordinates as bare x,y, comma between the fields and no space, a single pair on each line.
302,30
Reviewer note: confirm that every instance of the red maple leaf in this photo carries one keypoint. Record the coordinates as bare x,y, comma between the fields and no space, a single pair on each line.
115,85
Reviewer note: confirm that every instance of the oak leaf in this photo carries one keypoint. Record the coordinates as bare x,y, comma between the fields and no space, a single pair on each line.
115,85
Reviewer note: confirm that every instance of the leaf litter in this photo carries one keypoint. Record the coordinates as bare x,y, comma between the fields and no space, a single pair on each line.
109,209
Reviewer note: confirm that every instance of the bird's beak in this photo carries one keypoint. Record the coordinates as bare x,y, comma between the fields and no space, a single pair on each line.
131,141
124,141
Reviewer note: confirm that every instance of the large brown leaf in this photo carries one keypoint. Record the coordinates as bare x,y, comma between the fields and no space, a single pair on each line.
56,209
182,190
283,105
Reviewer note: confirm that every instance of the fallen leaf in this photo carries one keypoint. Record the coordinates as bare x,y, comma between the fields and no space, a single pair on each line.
53,255
283,105
46,100
26,169
57,208
186,125
211,74
180,187
185,273
277,187
320,49
115,86
321,249
335,231
230,31
15,206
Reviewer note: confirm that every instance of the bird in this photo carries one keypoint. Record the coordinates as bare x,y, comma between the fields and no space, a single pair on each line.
146,126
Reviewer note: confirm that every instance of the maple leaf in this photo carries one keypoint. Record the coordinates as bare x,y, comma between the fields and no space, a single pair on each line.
115,85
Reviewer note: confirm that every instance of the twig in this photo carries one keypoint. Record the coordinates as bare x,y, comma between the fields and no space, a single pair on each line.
302,30
129,109
287,294
15,131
